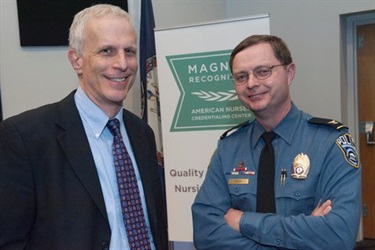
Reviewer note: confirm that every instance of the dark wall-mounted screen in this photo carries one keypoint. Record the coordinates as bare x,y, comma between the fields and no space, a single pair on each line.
47,22
1,109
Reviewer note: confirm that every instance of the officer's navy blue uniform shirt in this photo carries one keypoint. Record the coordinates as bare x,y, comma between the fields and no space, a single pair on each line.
334,174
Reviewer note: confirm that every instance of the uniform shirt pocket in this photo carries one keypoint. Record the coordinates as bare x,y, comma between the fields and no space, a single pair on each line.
242,190
296,198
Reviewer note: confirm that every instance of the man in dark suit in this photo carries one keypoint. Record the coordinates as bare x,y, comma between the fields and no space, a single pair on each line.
58,184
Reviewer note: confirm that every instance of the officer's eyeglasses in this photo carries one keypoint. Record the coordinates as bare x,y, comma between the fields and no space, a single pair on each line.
260,73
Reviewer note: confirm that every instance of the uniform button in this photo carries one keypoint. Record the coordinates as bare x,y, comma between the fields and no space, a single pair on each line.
105,245
236,190
298,194
277,242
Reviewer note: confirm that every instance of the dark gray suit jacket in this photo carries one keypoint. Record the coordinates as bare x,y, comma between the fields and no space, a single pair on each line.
50,194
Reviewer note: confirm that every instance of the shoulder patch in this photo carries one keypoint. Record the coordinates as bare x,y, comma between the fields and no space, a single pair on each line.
225,134
327,122
346,145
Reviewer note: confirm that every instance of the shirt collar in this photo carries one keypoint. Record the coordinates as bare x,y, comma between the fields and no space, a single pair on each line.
288,126
94,117
285,129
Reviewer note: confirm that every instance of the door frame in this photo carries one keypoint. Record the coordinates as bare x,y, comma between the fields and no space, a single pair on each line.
349,82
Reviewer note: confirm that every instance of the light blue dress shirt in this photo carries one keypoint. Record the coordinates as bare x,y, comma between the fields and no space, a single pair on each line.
100,140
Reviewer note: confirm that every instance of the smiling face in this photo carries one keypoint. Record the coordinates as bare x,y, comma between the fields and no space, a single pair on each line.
268,98
108,64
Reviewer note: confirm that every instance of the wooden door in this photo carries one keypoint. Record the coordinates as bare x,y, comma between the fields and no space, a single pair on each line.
366,106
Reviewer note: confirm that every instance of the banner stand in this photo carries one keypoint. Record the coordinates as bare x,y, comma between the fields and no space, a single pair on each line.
198,103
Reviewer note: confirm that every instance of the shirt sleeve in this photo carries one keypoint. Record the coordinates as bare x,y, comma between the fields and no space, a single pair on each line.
210,230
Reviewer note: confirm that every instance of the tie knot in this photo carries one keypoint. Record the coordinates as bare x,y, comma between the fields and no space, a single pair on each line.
268,137
114,126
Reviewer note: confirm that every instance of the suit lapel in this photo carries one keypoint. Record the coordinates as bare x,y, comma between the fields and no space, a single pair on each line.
81,161
137,140
146,162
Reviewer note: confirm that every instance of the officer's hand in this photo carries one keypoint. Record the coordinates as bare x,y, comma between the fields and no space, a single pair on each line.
322,209
233,217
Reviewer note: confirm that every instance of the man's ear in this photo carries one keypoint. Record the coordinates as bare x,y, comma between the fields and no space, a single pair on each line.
291,68
75,61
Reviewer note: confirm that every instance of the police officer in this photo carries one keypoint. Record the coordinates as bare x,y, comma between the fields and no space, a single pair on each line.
317,177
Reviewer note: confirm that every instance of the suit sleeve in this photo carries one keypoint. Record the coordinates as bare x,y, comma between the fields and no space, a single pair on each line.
17,206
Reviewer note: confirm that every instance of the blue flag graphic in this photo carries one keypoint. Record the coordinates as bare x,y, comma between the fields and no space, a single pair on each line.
149,79
147,56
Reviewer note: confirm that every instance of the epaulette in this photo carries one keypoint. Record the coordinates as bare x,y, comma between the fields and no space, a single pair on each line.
327,122
233,128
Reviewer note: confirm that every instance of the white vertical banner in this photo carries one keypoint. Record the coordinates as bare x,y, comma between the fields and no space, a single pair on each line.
198,103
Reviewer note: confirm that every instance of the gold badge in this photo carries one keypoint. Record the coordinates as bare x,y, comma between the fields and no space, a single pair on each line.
301,166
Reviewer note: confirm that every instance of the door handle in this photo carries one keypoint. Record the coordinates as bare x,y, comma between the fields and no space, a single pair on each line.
369,129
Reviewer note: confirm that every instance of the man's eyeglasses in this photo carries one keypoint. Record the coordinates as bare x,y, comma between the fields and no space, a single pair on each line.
260,73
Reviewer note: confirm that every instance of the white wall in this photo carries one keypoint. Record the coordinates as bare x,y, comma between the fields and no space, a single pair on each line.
174,13
312,31
31,77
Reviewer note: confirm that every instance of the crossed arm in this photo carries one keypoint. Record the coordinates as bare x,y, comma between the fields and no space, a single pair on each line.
233,216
